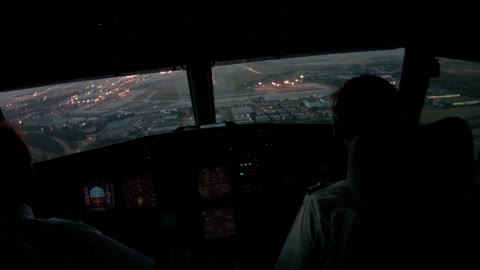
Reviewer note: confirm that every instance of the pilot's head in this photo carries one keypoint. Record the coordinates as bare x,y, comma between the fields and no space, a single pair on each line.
15,167
364,105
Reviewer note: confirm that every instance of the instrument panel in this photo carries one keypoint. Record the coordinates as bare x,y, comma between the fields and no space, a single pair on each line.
223,198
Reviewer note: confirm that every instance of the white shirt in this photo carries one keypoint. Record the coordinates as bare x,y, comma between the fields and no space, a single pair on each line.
68,244
315,234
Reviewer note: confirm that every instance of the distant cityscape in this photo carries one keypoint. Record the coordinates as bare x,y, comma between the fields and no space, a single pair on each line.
68,118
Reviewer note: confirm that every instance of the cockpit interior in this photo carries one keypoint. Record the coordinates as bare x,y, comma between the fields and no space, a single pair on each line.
193,136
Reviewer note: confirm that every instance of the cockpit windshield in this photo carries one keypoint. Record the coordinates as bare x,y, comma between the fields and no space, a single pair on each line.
63,119
455,93
294,90
67,118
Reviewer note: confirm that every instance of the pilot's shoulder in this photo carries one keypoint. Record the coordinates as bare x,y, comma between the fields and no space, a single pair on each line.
316,187
329,187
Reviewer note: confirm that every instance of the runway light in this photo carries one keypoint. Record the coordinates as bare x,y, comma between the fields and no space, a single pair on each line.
444,96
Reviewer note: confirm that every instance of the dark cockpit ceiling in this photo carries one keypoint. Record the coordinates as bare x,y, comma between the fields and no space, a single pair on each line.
49,44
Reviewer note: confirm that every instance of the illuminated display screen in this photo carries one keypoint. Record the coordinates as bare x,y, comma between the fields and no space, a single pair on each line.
139,192
214,183
218,223
99,195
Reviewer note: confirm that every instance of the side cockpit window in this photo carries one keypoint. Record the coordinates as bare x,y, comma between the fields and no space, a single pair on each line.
455,93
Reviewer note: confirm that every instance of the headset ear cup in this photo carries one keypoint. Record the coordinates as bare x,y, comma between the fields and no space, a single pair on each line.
343,131
30,174
337,130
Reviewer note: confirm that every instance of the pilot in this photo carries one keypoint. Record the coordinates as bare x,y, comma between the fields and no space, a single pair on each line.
365,104
49,243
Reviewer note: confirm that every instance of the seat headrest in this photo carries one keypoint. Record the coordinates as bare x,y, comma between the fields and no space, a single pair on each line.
447,146
435,159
